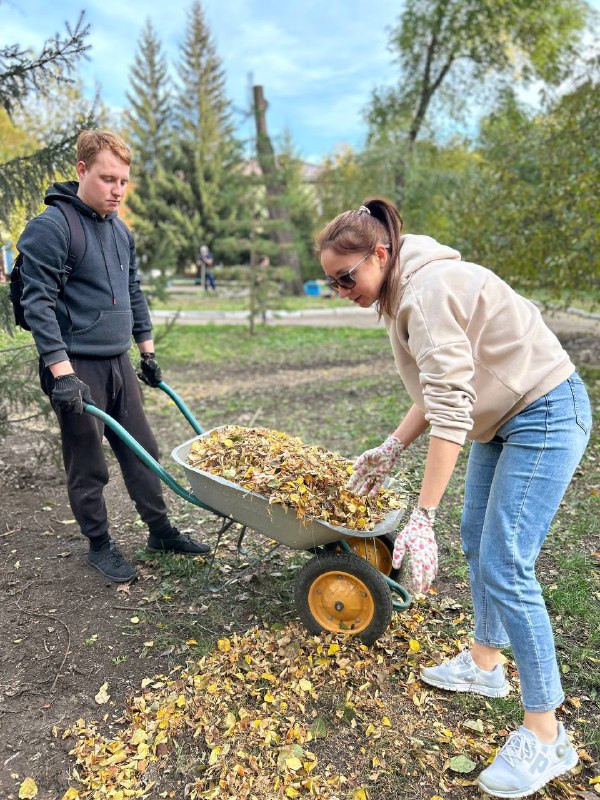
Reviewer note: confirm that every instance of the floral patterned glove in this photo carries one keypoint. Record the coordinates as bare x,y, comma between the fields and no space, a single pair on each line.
417,541
373,467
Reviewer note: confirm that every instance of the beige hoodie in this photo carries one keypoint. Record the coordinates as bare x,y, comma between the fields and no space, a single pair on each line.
470,350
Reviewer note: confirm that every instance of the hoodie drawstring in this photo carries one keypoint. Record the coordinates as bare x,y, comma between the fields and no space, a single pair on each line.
114,299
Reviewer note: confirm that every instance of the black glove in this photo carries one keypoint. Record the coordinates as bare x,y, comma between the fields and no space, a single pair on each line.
69,393
150,371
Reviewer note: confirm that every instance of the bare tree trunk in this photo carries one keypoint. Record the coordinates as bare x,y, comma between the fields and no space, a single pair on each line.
282,232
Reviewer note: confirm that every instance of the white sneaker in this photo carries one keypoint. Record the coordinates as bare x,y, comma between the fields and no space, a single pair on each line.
524,764
461,674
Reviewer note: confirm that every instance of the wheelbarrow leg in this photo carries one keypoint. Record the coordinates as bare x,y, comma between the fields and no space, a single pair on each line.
242,550
251,566
227,523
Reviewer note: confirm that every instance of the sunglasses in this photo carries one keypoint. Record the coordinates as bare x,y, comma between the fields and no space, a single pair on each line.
346,280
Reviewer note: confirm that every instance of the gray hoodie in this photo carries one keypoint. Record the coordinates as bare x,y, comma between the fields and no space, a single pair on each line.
102,305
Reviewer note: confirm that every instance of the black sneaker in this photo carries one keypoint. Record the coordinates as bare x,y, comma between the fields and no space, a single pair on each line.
110,563
176,542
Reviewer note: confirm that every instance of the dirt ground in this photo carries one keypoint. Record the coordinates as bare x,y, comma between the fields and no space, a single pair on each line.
65,631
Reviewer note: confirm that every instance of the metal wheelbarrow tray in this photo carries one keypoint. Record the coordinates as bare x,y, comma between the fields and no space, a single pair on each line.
349,586
277,521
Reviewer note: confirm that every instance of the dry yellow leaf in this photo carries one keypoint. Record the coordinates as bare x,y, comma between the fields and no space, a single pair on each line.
139,735
28,789
103,695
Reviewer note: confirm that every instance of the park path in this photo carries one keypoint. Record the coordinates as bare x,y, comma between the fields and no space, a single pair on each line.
561,322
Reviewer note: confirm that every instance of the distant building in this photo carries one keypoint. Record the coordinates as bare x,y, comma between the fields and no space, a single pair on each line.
310,172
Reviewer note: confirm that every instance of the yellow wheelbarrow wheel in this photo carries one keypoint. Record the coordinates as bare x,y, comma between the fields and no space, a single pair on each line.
377,550
343,593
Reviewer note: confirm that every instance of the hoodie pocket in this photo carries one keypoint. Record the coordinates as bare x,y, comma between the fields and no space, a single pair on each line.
109,330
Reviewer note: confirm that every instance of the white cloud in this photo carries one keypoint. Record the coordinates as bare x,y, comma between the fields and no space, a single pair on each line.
318,60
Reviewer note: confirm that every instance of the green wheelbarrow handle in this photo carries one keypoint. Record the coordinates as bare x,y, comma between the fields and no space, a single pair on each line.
182,407
144,455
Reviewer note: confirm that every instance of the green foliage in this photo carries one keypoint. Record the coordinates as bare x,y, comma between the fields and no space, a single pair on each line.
522,197
20,398
204,192
24,178
300,201
150,132
31,156
451,51
529,207
473,43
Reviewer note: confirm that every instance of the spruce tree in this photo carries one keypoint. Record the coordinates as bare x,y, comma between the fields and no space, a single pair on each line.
22,75
149,123
206,189
23,179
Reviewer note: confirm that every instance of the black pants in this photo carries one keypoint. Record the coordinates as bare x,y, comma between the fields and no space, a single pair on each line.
116,390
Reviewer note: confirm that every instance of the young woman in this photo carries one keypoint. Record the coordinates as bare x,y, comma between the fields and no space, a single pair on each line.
478,363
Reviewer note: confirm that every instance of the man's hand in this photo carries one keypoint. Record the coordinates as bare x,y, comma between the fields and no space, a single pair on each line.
150,373
417,542
373,467
69,394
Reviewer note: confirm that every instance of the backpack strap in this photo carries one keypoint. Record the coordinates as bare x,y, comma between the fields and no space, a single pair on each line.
77,241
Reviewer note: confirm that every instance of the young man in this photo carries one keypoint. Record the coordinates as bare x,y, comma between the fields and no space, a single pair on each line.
82,329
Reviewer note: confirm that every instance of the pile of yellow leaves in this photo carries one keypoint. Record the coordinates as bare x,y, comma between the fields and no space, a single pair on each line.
271,715
287,471
250,714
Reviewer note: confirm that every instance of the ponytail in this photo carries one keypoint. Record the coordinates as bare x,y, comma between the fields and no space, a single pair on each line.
376,221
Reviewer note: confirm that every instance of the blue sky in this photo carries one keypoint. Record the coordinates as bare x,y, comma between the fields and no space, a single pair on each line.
317,60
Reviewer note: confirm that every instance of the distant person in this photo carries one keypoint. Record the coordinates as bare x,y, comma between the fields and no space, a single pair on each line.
479,363
205,266
261,277
82,329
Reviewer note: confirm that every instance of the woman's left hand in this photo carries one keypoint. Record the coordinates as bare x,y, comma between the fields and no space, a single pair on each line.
416,541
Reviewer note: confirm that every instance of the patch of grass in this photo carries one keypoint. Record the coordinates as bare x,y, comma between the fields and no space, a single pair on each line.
228,345
190,299
574,588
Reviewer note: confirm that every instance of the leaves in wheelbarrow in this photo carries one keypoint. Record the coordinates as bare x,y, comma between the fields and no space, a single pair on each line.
286,470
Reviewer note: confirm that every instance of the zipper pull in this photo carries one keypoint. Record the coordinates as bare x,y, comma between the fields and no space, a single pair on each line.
114,301
121,265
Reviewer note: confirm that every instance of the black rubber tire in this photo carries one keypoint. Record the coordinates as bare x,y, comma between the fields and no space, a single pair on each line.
387,539
358,568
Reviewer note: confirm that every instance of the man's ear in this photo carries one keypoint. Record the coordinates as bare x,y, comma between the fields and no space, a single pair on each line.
81,168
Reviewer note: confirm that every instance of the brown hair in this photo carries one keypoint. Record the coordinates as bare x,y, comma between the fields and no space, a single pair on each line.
377,221
89,144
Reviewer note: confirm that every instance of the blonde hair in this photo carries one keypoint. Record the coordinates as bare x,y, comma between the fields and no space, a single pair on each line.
377,221
90,143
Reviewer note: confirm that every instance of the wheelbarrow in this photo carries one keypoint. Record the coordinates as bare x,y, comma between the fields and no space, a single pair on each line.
349,586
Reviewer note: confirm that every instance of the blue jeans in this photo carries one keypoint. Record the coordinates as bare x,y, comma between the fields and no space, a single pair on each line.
513,488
